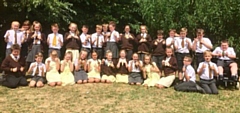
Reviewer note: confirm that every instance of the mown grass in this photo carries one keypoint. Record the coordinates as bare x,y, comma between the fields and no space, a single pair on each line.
109,98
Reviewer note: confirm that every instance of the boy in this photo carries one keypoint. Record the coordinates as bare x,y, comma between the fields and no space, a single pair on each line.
86,40
13,65
182,47
189,84
55,40
97,40
13,36
207,70
225,55
201,44
38,70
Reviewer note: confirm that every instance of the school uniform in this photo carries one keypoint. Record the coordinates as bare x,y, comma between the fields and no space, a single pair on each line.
105,43
13,79
135,75
169,71
15,37
108,72
128,43
122,71
200,49
169,41
80,74
94,73
52,75
207,80
86,46
35,45
98,44
152,77
143,47
112,44
182,50
54,43
158,52
37,72
224,61
72,44
24,46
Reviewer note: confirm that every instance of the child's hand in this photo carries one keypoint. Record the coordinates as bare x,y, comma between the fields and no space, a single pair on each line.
212,67
8,34
184,68
41,68
163,62
69,36
103,60
22,69
226,54
201,41
39,37
155,43
203,66
48,62
14,69
164,42
220,54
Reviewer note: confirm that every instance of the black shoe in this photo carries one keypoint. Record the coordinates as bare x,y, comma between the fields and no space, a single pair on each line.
220,77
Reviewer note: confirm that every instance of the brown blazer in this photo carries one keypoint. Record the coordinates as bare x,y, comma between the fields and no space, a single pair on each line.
43,41
168,70
9,63
144,47
127,44
72,43
158,49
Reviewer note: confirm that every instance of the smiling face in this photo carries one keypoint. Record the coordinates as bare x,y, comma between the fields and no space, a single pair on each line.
54,29
135,57
224,46
183,34
111,28
127,29
37,27
15,52
94,56
172,34
143,29
122,54
39,59
68,57
73,27
169,52
109,56
147,59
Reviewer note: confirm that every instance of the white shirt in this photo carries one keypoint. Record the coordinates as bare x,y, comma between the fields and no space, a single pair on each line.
40,65
11,38
50,38
169,41
15,58
83,39
205,73
229,51
93,61
100,40
112,36
191,73
178,43
204,48
38,34
134,69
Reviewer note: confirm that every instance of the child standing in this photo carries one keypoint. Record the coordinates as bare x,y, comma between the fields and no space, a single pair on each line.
80,74
38,70
170,41
207,70
94,68
52,66
135,68
128,42
97,41
108,69
86,40
26,31
169,66
150,72
122,67
67,77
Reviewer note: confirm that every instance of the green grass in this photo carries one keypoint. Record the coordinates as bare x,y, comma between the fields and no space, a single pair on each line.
108,98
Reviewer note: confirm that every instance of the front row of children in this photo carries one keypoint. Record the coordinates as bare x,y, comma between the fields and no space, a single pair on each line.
107,71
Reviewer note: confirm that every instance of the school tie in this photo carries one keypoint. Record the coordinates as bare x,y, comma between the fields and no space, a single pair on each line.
16,59
209,70
182,42
223,53
200,44
54,42
37,70
97,41
15,36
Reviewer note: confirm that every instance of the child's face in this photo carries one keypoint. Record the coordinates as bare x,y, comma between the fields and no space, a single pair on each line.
109,56
54,29
224,46
15,26
111,27
73,27
160,36
38,59
98,30
68,57
105,28
135,57
127,29
84,30
25,27
208,57
169,52
186,61
183,34
147,59
94,56
15,52
172,34
83,55
37,27
122,54
143,29
200,35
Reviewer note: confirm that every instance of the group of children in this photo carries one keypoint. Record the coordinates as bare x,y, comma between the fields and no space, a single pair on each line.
108,56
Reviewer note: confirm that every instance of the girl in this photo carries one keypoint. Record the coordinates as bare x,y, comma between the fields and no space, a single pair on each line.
72,41
36,42
169,66
94,69
66,70
135,68
106,35
108,69
122,66
52,66
80,74
26,31
128,42
150,72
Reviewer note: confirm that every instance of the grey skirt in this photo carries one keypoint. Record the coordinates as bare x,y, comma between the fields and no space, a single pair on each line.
31,55
80,75
112,46
135,77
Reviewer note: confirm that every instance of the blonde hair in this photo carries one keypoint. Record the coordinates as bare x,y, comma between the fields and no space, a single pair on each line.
107,52
99,27
184,30
207,52
77,31
14,23
34,24
141,26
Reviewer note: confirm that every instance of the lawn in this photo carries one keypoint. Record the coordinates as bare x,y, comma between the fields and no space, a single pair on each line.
109,98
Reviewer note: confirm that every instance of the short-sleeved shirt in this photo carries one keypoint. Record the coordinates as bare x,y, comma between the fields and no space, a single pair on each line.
39,66
191,73
229,51
204,48
100,40
181,49
83,39
51,37
205,73
11,37
112,37
134,69
169,40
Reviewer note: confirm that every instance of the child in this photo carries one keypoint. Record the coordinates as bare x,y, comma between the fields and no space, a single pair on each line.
189,84
80,74
201,44
86,40
94,68
26,31
108,68
13,65
128,42
106,35
97,41
143,40
122,67
67,77
169,66
158,46
36,42
150,72
55,40
207,70
170,41
72,41
38,70
135,68
52,66
182,47
13,36
112,41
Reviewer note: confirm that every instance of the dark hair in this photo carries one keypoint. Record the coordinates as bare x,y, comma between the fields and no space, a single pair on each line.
15,47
